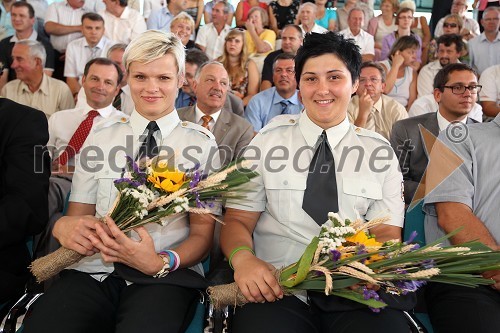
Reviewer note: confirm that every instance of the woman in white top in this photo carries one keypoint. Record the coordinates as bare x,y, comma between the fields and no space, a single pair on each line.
401,81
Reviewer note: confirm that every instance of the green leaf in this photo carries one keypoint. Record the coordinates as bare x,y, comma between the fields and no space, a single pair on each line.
357,297
304,264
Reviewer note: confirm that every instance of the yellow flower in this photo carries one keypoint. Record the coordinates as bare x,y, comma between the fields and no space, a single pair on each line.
362,238
169,181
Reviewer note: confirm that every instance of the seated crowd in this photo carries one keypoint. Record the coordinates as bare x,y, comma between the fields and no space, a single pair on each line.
293,74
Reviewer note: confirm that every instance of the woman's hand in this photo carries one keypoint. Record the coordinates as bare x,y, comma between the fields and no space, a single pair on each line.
115,246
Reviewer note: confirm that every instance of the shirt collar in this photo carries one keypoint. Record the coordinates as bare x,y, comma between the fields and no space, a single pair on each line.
277,98
33,36
99,45
199,114
443,123
166,123
311,131
44,86
104,112
483,37
378,105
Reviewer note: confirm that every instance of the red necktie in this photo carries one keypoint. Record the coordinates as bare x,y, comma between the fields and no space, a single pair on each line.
77,139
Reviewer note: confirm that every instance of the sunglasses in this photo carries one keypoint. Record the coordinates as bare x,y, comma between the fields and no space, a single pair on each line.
450,25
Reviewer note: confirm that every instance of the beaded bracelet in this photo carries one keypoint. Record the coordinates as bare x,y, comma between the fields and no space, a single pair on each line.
235,251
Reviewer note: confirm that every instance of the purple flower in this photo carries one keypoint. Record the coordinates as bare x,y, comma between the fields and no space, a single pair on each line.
412,237
335,255
409,286
426,264
371,294
129,181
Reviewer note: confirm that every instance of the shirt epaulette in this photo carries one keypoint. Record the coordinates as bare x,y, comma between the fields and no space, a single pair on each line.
280,121
198,128
119,118
371,134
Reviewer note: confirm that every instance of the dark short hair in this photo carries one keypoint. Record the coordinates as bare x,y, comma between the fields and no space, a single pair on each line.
447,40
316,45
283,56
123,3
196,57
444,74
19,4
105,62
376,65
93,17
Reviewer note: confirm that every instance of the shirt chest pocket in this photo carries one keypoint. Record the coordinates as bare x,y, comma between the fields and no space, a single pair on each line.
360,194
106,190
285,197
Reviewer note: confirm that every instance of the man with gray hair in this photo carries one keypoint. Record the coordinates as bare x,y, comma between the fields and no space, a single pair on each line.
211,37
365,41
32,87
307,17
232,132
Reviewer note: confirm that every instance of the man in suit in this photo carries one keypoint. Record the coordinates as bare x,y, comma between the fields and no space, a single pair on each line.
24,182
232,132
455,103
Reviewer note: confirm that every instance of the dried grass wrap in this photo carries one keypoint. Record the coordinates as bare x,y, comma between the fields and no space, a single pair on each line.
230,294
48,266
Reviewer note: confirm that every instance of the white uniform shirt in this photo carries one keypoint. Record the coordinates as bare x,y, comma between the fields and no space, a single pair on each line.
121,136
124,28
79,53
213,42
284,229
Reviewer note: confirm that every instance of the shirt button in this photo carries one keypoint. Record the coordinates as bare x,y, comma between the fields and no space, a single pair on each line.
184,124
363,190
285,182
292,121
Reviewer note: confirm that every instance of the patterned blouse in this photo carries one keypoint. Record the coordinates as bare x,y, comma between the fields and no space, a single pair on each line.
285,15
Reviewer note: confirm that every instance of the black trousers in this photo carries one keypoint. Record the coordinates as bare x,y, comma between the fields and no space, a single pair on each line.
460,309
291,315
77,303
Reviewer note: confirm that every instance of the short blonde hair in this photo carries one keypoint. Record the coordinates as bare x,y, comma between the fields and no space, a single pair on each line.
183,17
408,4
152,45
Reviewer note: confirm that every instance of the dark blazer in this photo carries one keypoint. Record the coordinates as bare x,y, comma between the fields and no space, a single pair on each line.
407,142
232,132
24,182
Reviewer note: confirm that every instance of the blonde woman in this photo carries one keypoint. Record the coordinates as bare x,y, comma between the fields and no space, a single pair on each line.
96,294
242,71
182,26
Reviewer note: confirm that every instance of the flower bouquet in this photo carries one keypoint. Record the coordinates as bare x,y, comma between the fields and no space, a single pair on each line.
152,194
345,255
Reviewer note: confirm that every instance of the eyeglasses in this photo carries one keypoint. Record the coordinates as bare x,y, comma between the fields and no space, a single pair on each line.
450,25
289,71
459,90
491,19
373,80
